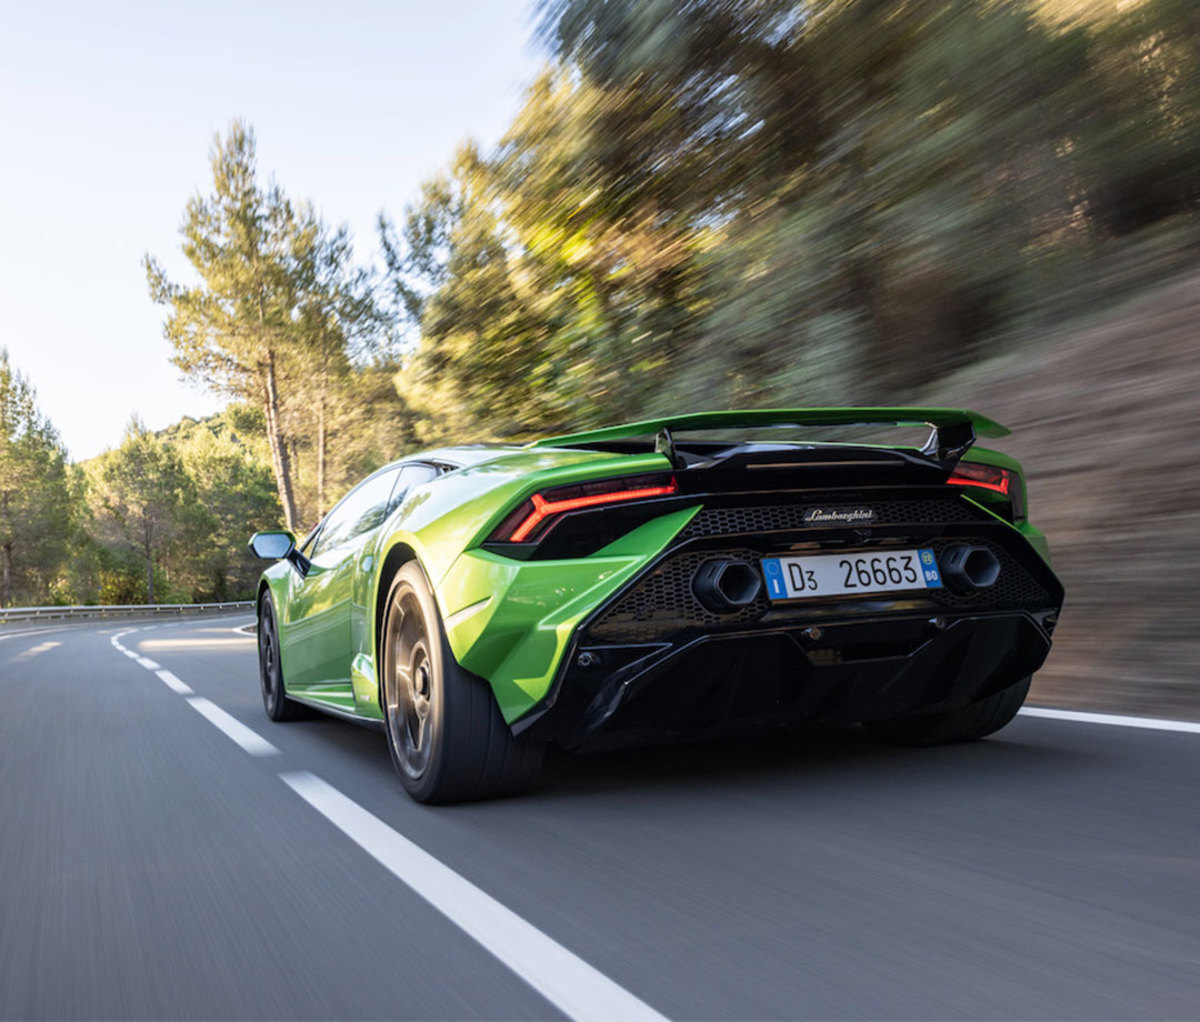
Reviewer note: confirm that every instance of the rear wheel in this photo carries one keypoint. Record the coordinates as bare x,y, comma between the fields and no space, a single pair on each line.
966,725
270,670
445,733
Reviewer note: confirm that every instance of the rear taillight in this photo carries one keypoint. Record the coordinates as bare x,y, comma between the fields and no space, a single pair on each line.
991,477
987,477
532,518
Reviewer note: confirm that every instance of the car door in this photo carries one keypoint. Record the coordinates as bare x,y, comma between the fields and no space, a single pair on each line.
317,629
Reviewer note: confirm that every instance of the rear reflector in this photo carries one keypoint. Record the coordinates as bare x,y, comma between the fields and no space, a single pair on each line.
535,513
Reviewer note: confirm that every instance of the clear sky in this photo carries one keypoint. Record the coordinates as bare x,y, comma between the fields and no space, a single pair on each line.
107,112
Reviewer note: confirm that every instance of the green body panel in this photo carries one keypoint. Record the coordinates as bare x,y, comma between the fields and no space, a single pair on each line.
515,618
328,621
508,620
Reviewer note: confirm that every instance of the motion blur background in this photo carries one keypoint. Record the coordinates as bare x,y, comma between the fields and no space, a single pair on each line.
698,205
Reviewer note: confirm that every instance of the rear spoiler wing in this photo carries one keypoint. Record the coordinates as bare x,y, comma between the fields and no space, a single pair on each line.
953,429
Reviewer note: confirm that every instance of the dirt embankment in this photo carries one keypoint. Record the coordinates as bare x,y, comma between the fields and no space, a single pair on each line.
1106,419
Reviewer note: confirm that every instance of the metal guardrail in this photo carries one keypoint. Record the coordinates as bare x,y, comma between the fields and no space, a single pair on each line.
117,610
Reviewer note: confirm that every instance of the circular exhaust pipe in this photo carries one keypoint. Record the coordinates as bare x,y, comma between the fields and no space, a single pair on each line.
969,567
724,586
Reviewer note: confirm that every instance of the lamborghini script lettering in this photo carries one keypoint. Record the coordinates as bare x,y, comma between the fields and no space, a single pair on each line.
844,515
479,604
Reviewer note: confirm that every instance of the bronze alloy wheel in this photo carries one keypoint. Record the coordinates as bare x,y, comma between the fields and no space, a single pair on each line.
445,733
408,681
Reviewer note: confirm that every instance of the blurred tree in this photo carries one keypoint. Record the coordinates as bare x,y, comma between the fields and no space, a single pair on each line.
142,497
483,363
36,499
237,495
614,271
893,163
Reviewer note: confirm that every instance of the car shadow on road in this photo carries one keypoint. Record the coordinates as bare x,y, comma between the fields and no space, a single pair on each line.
815,756
811,757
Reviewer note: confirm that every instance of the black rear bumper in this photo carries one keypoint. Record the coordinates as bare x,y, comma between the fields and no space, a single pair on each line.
839,671
653,663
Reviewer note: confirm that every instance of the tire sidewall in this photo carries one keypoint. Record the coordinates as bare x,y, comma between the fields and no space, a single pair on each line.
273,707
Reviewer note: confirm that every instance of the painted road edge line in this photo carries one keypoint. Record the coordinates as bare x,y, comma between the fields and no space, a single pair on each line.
173,683
1117,720
577,989
35,631
251,741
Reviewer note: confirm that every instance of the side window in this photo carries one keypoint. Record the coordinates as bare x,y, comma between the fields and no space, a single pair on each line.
410,476
361,510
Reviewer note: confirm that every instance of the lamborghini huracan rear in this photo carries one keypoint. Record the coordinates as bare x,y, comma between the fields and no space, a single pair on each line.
637,583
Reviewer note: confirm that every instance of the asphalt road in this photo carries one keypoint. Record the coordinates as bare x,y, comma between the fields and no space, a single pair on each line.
152,867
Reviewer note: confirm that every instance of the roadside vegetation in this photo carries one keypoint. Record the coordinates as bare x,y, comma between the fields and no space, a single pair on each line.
699,205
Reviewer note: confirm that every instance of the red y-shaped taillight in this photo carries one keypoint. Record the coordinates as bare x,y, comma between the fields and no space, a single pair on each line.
535,515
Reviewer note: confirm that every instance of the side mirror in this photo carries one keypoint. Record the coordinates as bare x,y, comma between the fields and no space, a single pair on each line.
272,546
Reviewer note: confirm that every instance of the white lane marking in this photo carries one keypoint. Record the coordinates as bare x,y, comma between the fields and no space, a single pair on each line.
250,629
147,663
251,741
29,632
173,683
564,979
1149,723
131,653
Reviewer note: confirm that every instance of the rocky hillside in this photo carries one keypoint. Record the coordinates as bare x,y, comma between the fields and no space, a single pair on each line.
1106,418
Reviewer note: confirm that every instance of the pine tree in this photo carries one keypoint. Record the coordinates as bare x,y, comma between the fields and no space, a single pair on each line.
237,331
36,506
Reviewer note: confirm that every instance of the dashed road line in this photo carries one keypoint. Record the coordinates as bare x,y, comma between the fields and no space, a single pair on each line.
563,978
173,683
250,740
577,989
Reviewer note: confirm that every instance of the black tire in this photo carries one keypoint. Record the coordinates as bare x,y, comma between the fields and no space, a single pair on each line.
445,733
270,671
966,725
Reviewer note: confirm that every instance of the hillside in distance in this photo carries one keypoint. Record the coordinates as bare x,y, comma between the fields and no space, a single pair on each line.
1106,419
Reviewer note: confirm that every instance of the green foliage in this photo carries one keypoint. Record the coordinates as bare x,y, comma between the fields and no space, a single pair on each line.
142,497
35,493
708,204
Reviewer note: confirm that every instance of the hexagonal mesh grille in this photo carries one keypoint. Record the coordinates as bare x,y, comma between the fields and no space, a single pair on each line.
662,602
732,521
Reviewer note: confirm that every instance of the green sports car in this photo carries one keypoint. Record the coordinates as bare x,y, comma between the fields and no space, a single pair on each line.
655,580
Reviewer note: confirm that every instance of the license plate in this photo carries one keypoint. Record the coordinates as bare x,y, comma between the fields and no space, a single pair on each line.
791,578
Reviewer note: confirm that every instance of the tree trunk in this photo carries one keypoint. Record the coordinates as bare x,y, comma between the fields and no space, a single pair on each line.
280,460
148,551
321,457
6,575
